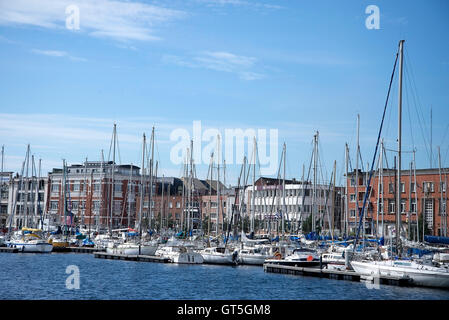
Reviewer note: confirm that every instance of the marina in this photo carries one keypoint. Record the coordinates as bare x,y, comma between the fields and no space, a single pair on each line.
104,279
235,150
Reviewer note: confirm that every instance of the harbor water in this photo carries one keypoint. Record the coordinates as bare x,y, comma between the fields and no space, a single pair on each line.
28,276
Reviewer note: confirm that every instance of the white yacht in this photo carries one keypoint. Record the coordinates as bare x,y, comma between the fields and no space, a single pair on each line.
30,240
132,248
301,257
419,273
219,255
254,255
179,254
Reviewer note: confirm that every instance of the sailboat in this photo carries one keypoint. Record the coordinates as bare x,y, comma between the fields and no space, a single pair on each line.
419,273
27,239
137,247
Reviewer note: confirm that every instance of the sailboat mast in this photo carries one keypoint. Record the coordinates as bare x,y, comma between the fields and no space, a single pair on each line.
398,204
284,208
442,213
314,205
346,222
357,152
218,185
129,194
112,179
253,196
142,187
150,196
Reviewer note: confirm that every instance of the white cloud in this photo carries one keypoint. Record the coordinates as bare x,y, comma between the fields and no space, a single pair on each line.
240,3
57,53
119,20
219,61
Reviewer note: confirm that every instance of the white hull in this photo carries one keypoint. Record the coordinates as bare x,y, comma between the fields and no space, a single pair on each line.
253,259
36,247
180,255
133,249
421,275
218,258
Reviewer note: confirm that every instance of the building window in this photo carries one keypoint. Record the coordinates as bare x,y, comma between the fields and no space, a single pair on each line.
178,204
54,205
96,205
117,205
443,186
76,186
170,205
352,213
390,188
381,187
391,206
403,204
402,187
413,187
75,205
413,206
55,188
428,187
118,187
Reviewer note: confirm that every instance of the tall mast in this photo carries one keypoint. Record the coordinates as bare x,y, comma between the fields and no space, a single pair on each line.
150,197
357,153
101,189
210,176
25,214
162,204
398,205
112,179
129,194
442,212
284,209
253,196
333,200
346,222
314,204
218,185
379,186
142,187
409,215
85,192
416,196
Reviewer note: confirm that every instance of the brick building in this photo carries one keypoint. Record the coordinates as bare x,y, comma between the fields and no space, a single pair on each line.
427,196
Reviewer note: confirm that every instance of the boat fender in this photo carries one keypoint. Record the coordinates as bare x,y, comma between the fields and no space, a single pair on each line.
277,255
309,258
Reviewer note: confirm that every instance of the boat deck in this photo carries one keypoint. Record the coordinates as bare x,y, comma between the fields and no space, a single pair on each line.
142,258
349,275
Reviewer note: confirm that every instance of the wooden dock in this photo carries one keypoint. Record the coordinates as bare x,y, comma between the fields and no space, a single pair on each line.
86,249
336,274
142,258
8,249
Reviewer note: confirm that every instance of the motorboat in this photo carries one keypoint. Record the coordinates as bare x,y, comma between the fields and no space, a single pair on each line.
219,255
179,254
301,257
420,274
132,248
254,255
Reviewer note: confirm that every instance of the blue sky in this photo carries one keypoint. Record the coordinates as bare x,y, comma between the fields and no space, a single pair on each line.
294,66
